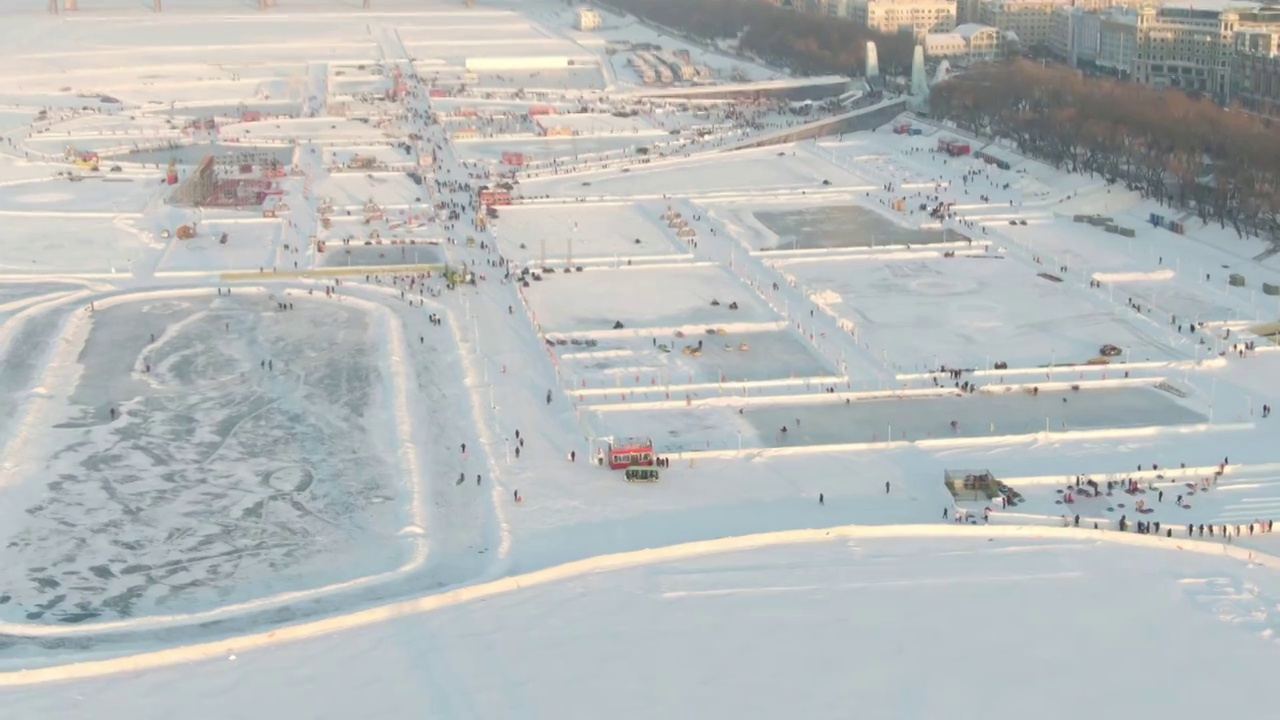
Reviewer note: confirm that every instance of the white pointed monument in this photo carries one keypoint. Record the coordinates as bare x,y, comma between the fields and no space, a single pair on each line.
919,82
873,66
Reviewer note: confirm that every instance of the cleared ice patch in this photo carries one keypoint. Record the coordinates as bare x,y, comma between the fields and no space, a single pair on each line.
835,422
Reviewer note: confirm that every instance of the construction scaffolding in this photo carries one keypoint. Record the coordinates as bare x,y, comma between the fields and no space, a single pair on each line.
224,182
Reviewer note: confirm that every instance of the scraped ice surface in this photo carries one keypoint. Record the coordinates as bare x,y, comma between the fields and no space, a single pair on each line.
220,481
733,357
840,227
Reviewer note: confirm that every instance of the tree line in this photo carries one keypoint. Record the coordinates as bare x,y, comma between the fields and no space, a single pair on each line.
1187,152
802,43
1179,150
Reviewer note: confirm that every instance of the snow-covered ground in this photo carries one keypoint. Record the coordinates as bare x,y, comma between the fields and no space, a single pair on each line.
380,188
271,476
910,308
643,298
250,245
757,633
65,243
610,233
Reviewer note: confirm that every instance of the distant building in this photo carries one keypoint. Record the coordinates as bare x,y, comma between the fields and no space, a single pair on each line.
945,45
1118,42
917,17
1193,45
587,20
967,42
1031,20
1255,71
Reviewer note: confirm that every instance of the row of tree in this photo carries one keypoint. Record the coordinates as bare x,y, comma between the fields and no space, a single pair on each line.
1225,165
803,43
1190,153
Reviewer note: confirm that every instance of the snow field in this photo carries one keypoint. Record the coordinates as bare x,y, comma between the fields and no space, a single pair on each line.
756,171
66,244
602,124
741,590
568,149
354,189
331,130
246,487
382,153
592,233
478,27
642,298
965,312
251,244
102,194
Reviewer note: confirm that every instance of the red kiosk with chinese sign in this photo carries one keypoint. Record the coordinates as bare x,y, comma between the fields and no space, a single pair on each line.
630,452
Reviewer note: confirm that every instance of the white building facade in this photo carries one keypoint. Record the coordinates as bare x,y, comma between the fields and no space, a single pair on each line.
918,17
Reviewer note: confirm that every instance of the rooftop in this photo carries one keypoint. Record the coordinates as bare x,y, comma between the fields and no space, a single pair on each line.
968,30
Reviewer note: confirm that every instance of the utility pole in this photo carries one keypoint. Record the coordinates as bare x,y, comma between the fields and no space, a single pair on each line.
367,4
156,7
53,7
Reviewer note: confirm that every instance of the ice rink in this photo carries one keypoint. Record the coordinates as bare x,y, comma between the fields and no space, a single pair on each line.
768,356
181,472
834,422
840,227
358,255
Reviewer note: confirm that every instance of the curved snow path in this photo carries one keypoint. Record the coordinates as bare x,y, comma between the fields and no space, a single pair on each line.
237,646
